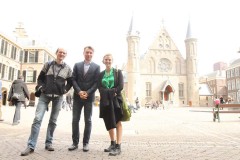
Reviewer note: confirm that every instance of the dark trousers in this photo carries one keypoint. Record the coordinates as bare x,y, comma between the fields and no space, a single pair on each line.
76,114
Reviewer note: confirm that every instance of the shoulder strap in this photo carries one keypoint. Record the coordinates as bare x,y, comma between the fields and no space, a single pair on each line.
49,65
117,75
13,87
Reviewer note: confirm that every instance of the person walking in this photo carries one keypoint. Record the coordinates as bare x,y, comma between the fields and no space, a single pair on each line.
221,100
17,95
85,75
69,101
54,80
137,103
110,85
216,104
64,103
1,119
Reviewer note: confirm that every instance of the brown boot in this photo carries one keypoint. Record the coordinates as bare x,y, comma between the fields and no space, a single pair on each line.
111,147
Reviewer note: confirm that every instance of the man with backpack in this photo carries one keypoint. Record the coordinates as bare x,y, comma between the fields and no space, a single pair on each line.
51,85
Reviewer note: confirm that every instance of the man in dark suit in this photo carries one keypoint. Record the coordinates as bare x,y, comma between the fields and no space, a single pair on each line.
85,75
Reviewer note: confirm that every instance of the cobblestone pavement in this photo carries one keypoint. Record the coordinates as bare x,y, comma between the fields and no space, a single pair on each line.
177,133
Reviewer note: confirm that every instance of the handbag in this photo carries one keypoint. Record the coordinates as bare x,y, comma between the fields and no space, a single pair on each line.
16,96
126,110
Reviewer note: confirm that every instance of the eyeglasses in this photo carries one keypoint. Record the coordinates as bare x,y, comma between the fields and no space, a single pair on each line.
62,52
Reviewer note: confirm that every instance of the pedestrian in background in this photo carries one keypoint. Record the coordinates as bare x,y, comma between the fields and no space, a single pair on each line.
85,75
216,102
69,101
137,103
54,80
110,85
17,95
1,101
221,100
64,103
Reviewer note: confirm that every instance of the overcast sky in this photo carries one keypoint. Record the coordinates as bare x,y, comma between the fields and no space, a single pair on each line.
104,24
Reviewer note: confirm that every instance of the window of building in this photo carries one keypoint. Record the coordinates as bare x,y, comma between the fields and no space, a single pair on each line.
3,70
233,84
9,73
36,56
2,46
148,89
228,74
26,56
31,58
180,86
13,52
5,48
229,85
237,83
21,57
238,96
29,75
236,71
232,72
45,57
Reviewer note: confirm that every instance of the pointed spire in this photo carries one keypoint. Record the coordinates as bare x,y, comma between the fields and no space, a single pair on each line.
132,30
189,31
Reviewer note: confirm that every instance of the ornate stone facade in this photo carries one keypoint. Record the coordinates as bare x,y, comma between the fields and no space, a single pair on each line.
162,74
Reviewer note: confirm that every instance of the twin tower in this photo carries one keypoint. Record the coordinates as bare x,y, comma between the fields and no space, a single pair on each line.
161,74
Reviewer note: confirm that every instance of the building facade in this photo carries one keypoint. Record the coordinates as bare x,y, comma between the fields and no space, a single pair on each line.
162,74
220,66
233,81
21,59
216,82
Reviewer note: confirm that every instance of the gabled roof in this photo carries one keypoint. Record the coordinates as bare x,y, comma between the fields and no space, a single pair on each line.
163,41
204,90
165,84
235,62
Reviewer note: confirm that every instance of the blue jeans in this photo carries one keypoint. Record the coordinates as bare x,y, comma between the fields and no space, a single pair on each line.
42,106
76,112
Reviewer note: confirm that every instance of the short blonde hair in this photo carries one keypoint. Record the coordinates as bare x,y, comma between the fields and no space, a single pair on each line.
107,54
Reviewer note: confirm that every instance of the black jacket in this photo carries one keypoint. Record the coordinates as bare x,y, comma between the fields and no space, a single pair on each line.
107,95
55,85
18,86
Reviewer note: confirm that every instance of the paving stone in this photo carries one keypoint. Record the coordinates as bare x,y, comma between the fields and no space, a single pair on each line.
177,133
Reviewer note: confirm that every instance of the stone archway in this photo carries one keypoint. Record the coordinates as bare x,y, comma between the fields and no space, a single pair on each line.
167,92
4,96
